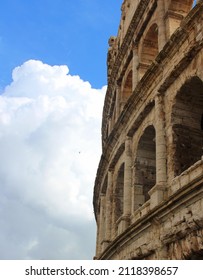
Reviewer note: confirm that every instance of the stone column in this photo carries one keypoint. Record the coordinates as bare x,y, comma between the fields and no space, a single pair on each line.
113,205
97,240
127,178
101,221
161,24
157,193
118,97
109,125
160,141
127,196
135,67
108,220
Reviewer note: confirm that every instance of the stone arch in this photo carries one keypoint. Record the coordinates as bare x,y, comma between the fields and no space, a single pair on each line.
145,165
187,124
150,48
127,88
119,191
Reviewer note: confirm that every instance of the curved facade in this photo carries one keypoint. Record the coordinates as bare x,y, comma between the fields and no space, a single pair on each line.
148,193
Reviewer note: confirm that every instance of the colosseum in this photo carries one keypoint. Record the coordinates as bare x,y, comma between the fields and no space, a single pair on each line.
148,193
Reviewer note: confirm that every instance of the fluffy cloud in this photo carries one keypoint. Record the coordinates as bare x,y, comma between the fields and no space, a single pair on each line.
49,147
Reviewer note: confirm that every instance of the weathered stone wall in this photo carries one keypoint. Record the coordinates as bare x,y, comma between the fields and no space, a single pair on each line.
148,194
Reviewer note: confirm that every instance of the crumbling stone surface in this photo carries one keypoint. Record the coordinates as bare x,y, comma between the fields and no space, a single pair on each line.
148,193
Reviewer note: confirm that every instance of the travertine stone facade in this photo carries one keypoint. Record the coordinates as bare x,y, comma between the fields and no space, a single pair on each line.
148,194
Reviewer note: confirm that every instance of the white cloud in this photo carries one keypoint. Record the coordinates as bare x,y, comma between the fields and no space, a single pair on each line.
49,147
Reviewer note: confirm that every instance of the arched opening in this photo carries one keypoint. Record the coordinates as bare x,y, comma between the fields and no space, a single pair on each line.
145,165
127,89
150,45
118,195
187,125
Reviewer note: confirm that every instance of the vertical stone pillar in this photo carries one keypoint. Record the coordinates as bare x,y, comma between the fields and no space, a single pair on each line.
97,239
108,220
113,205
127,196
160,141
101,221
118,97
135,67
109,124
161,24
127,178
157,193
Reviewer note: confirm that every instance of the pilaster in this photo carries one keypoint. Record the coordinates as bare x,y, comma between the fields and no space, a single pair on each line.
118,97
101,222
135,67
157,193
127,199
161,24
108,210
160,140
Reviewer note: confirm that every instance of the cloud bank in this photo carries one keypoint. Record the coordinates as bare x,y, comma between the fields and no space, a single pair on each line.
50,148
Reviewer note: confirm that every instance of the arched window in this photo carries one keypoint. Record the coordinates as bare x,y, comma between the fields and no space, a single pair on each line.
127,89
187,118
118,195
150,45
145,164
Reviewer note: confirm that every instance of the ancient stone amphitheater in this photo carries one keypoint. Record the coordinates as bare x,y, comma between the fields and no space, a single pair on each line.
148,193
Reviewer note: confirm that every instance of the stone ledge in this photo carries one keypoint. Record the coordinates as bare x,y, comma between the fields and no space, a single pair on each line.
186,178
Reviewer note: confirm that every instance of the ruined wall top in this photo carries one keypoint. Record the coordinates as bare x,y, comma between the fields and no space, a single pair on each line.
128,9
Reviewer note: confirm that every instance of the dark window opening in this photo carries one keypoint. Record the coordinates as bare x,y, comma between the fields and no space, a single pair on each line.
146,162
202,122
119,190
188,125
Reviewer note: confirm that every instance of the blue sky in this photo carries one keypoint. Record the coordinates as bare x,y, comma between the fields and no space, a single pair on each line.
74,33
52,85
